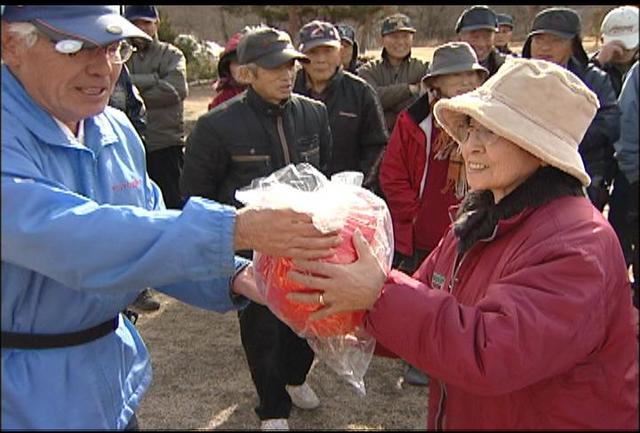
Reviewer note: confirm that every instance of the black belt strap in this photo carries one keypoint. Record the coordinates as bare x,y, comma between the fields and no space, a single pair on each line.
18,340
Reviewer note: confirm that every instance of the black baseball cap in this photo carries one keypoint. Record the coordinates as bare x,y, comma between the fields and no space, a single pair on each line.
397,23
505,20
317,33
477,18
139,12
561,22
267,47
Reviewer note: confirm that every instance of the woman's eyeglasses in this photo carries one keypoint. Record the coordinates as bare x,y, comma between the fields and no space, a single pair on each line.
482,134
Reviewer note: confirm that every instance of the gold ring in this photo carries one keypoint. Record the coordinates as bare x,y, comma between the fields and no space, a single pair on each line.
321,299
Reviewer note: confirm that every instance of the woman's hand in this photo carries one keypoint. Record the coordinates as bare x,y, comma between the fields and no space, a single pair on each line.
347,287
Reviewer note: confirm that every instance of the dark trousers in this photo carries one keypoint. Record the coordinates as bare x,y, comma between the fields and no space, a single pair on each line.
276,357
165,168
133,424
623,217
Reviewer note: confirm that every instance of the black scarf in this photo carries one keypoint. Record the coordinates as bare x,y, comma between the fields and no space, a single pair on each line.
478,215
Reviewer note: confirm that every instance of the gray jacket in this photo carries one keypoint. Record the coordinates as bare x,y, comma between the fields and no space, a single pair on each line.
159,71
392,84
627,146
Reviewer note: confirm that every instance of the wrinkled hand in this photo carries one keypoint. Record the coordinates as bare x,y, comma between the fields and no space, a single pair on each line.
610,51
245,284
282,233
346,287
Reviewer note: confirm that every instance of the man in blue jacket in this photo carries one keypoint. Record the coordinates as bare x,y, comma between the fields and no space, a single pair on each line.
84,229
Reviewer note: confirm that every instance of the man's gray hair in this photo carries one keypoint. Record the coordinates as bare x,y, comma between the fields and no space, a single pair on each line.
25,31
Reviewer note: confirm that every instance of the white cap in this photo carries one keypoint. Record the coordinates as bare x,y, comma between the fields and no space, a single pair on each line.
621,24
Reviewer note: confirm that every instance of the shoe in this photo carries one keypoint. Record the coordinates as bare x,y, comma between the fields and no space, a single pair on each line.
146,302
303,396
274,424
413,376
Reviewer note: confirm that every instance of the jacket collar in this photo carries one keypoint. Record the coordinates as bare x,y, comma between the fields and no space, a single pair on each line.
420,109
479,218
385,57
264,107
41,124
303,86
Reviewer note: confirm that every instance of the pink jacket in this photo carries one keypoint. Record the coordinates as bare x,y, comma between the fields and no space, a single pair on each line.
535,330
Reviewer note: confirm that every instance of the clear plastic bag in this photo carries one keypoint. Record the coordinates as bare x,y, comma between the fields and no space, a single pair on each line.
338,204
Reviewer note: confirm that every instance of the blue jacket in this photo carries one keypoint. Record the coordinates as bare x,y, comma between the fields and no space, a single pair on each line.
84,230
627,145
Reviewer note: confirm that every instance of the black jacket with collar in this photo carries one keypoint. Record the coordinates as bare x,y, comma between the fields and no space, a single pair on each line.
356,118
246,137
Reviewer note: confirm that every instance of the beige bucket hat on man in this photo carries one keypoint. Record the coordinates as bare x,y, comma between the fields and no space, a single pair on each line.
538,105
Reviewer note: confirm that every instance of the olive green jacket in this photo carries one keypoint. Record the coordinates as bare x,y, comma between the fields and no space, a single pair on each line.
159,71
392,83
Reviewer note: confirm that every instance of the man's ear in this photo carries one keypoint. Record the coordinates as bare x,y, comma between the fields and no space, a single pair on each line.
12,47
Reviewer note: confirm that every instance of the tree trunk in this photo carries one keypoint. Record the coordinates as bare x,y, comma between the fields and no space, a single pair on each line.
295,21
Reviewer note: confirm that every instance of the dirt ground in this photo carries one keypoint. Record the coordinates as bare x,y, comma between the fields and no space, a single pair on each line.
202,382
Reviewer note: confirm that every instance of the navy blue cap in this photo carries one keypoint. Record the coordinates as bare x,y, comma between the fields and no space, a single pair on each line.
347,33
317,33
95,25
476,18
138,12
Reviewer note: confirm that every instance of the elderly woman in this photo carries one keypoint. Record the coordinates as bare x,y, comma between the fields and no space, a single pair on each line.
522,315
422,173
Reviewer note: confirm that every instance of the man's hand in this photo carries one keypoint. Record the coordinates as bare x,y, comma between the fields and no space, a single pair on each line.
610,51
282,233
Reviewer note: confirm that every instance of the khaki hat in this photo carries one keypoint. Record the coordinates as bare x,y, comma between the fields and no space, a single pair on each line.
452,58
538,105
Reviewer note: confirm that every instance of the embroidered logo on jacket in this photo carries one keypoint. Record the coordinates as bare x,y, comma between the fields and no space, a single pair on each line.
437,280
134,184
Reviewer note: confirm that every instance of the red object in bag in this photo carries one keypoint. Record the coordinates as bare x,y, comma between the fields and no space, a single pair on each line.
274,273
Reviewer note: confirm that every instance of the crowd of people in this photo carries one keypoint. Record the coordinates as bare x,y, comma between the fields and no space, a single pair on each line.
510,294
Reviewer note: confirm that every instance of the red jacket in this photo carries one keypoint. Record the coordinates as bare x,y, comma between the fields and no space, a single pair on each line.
536,329
419,221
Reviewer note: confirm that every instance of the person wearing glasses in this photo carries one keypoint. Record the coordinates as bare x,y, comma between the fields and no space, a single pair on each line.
522,315
84,229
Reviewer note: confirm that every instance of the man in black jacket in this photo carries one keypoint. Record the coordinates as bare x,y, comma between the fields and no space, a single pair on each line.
246,137
355,115
555,37
477,26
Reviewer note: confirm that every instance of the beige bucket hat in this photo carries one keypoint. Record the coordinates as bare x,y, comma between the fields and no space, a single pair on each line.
538,105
